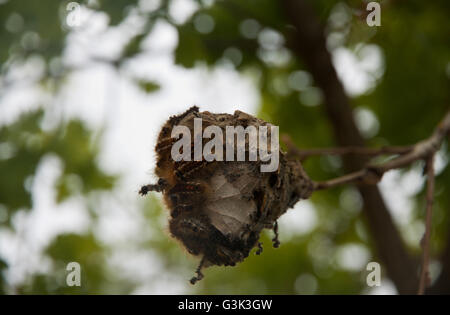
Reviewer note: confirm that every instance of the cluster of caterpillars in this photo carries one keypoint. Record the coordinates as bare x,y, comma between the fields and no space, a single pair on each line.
218,208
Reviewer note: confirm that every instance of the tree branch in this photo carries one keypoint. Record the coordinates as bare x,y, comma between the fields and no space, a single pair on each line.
303,154
423,150
307,41
372,174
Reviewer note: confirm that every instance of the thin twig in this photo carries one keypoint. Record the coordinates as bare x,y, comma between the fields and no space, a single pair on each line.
373,173
424,274
356,150
359,176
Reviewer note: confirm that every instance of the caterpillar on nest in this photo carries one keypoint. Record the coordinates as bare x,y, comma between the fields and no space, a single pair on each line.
219,208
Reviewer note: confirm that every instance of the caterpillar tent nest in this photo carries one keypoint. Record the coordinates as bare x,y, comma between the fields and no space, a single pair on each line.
219,208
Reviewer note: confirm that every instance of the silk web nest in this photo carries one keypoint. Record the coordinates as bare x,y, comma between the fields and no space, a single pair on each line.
219,208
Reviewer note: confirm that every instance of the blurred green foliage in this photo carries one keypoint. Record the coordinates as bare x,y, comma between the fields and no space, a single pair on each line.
407,100
28,143
83,249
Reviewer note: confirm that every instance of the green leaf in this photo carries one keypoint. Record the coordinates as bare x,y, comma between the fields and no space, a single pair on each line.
148,86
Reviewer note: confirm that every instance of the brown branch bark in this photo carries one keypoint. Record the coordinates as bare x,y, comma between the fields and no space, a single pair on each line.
307,41
373,173
303,154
